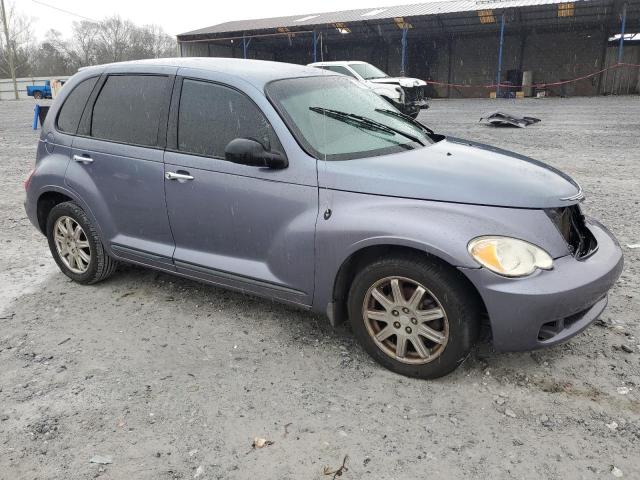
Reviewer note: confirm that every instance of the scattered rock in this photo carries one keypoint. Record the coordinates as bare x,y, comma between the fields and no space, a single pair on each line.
612,426
101,460
626,348
623,390
4,417
616,472
199,472
510,413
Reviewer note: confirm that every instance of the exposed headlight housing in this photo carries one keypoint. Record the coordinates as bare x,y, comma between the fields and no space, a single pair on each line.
508,256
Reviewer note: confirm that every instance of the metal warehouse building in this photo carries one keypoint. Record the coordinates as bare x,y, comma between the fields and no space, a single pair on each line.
465,45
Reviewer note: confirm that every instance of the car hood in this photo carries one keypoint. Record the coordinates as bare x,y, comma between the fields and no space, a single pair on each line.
456,170
402,81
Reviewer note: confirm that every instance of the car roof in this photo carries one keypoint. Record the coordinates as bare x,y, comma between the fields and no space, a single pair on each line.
256,72
336,62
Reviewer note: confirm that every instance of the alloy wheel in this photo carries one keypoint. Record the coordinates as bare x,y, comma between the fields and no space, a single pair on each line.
405,320
72,244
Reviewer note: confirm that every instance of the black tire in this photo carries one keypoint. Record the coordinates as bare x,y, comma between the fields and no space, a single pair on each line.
37,95
101,265
460,304
415,114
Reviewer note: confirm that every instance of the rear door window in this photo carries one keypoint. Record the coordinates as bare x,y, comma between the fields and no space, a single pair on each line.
211,115
129,109
72,108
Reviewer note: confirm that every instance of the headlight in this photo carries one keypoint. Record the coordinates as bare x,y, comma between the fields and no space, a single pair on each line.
509,256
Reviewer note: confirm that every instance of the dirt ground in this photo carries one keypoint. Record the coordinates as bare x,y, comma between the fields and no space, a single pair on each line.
166,378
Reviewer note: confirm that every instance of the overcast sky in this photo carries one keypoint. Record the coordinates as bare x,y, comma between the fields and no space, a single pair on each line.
177,16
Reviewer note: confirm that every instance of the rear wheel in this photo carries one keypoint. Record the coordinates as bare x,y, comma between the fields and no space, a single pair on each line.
414,316
76,245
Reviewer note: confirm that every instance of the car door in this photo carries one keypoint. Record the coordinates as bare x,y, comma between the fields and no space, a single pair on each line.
117,163
239,226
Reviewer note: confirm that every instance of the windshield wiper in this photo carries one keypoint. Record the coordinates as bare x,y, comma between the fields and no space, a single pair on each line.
407,118
364,122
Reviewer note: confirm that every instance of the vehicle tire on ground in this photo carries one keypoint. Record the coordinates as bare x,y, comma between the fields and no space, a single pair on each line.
415,114
415,316
76,245
37,95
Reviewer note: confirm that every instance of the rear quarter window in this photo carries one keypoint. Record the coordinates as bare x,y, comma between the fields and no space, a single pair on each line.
129,108
71,111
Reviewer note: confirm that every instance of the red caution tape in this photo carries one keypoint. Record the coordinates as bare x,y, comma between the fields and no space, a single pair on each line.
533,85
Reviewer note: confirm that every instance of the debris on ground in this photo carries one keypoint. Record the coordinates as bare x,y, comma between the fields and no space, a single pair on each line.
261,442
504,119
612,426
338,472
633,245
510,413
101,460
624,348
199,472
616,472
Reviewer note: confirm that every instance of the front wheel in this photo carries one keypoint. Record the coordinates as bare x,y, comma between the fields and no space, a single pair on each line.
414,316
37,95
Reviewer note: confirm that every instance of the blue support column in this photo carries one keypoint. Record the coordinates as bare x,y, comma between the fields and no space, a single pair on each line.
315,46
36,112
403,58
499,75
622,28
245,45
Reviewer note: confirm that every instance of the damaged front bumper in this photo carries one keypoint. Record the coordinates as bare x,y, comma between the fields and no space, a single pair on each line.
552,306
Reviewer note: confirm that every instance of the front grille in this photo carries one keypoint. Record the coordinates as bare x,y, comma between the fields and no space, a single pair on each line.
570,222
413,94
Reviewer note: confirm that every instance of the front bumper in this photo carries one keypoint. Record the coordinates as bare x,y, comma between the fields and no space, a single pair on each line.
550,307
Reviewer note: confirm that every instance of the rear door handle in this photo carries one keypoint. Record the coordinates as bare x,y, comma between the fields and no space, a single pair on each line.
177,176
83,159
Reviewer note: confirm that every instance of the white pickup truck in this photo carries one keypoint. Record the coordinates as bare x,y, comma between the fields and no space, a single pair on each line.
406,94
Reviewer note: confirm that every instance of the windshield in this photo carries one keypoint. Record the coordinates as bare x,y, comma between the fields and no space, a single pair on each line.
337,118
367,71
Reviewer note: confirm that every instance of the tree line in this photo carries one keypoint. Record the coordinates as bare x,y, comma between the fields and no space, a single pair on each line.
112,39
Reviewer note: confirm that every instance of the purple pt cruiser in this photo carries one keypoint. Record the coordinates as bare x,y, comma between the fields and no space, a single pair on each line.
300,185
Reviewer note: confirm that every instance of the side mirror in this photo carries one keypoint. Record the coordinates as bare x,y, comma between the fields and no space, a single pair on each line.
247,151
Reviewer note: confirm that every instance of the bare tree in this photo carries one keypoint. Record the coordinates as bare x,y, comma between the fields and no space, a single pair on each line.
15,44
110,40
84,42
160,44
114,39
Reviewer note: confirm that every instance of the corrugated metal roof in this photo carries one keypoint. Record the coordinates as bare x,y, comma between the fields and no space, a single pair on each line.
379,13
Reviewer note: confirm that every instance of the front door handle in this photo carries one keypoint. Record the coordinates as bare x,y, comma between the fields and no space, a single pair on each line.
83,159
177,176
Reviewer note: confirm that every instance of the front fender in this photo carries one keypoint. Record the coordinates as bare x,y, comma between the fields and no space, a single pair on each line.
441,229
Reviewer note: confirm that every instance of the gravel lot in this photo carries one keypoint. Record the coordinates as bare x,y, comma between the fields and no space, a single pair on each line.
172,379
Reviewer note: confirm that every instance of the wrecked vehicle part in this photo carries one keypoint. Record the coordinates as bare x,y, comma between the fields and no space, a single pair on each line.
405,94
504,119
